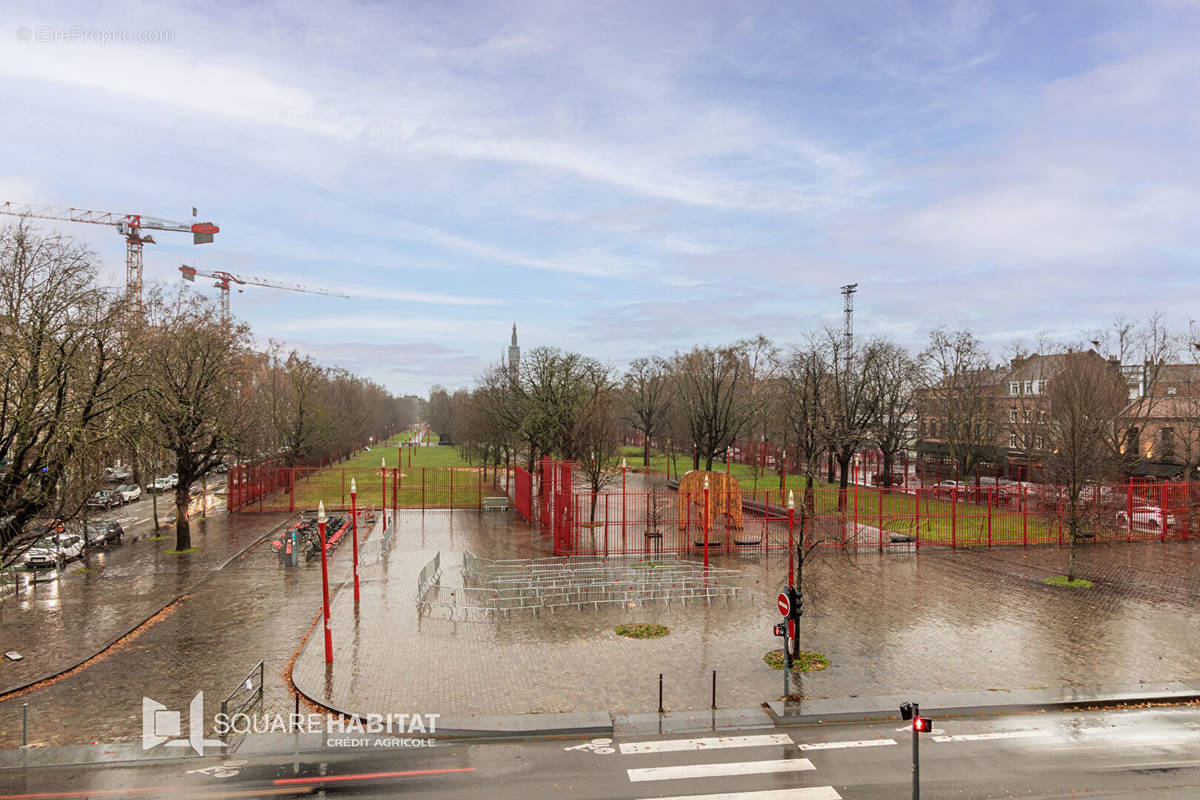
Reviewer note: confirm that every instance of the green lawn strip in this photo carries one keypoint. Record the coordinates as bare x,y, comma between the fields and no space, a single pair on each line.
181,552
806,662
642,630
1061,580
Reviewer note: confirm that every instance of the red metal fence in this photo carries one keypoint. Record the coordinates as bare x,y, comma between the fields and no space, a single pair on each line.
269,488
862,517
523,493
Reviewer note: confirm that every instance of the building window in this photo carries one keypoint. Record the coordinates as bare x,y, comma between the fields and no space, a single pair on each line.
1039,443
1014,388
1028,389
1012,440
1028,414
1012,415
933,427
1170,390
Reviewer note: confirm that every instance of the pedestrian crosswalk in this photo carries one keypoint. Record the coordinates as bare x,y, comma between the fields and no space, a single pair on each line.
777,769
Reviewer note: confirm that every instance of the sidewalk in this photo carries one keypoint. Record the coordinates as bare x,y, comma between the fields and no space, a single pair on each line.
58,623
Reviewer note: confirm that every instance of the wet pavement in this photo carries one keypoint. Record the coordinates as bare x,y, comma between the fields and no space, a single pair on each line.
61,620
890,622
254,609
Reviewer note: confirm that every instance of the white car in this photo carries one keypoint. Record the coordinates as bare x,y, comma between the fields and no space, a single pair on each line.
1145,517
163,484
129,492
51,551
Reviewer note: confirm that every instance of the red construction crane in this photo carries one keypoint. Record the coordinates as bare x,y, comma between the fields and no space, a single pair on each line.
224,279
128,225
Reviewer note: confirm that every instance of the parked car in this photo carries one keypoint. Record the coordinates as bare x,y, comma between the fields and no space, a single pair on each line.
118,474
101,534
51,551
1145,517
105,499
163,484
129,492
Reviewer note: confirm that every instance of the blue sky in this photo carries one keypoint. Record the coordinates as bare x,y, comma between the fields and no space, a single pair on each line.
628,178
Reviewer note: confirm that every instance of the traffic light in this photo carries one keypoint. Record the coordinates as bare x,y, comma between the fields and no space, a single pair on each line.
797,601
779,628
906,711
922,724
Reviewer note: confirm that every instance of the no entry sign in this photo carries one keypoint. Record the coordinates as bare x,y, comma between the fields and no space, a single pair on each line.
785,605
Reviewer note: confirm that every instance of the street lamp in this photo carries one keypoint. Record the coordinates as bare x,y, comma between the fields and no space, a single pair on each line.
791,538
383,490
354,532
706,523
325,583
624,467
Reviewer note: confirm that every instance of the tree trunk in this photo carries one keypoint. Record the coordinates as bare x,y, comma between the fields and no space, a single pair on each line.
886,478
843,460
183,531
646,454
829,464
595,495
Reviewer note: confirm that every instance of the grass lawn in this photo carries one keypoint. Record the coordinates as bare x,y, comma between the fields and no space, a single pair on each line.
936,520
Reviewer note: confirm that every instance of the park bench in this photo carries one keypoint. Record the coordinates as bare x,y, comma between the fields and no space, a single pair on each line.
495,504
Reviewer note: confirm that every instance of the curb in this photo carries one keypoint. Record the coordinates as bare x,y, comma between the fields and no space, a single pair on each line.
965,704
8,691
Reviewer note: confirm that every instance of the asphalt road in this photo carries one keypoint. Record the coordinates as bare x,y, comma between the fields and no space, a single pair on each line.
1107,754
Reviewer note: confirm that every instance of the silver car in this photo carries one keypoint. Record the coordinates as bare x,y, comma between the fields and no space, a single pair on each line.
52,551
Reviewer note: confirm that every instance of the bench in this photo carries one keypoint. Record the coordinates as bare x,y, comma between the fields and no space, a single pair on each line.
495,504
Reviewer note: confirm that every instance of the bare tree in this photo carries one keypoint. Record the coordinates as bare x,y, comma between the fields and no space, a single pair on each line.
646,392
1085,394
195,375
958,396
894,373
65,378
719,391
853,400
597,435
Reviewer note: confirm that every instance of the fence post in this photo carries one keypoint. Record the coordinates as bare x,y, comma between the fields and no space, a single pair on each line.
880,531
343,486
989,516
917,503
292,489
1129,509
422,490
1162,506
452,487
1024,516
953,517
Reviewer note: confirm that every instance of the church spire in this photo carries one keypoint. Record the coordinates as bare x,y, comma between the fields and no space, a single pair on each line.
514,352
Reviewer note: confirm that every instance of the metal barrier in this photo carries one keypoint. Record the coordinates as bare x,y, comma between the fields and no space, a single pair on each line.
374,550
247,693
576,581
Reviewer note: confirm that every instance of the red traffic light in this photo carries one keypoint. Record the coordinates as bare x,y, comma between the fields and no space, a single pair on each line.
922,724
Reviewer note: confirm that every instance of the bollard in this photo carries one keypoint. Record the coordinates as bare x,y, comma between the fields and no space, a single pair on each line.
660,708
714,703
296,715
25,725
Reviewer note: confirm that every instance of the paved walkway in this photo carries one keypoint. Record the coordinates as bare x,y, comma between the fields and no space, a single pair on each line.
931,621
58,622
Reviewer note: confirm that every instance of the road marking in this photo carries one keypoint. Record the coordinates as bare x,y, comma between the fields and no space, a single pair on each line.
710,743
808,793
980,737
717,770
841,745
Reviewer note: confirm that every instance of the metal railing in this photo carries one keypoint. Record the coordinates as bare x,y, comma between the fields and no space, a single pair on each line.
245,696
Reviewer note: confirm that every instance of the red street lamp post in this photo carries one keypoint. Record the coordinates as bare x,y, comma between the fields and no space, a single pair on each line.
791,539
325,584
383,489
354,532
624,466
705,522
